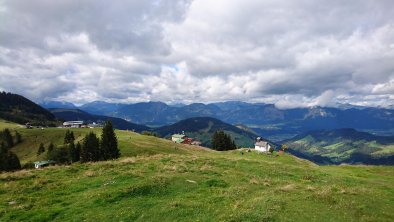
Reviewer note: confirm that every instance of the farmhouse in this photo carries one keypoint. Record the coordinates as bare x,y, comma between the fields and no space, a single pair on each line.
73,124
178,138
261,145
182,138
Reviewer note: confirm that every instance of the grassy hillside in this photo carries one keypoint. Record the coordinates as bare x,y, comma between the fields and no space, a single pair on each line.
157,180
343,146
130,143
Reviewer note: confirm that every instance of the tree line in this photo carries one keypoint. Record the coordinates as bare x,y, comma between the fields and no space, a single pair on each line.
90,150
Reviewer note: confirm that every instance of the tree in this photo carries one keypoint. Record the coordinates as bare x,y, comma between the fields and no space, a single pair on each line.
222,141
18,137
51,148
90,150
8,160
78,149
69,137
7,138
41,149
59,155
109,143
74,152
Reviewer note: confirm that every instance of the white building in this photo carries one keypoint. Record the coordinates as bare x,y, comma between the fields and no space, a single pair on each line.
178,138
73,124
261,145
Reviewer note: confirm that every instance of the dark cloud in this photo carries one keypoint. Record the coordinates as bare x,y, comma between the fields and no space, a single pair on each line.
292,53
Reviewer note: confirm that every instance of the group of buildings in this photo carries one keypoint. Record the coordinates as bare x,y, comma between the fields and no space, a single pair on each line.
260,144
182,138
80,124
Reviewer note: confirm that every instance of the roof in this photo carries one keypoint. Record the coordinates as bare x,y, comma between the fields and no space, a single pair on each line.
261,143
178,136
73,123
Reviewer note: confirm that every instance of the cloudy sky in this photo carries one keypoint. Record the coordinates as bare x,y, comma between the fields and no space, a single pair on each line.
290,53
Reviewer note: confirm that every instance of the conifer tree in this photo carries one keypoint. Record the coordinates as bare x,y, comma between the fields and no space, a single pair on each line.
74,152
69,137
109,143
41,149
18,137
222,141
51,147
8,160
77,152
50,151
7,137
90,150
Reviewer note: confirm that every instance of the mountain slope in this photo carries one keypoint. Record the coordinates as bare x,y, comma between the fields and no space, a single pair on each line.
101,108
343,146
57,104
265,119
21,110
76,114
202,128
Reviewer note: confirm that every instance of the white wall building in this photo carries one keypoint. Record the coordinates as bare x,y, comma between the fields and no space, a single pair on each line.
73,124
261,145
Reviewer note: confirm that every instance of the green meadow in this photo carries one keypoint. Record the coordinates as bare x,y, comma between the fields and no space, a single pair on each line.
157,180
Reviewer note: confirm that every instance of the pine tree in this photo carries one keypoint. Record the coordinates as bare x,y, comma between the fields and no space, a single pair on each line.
6,134
222,141
90,150
74,152
77,152
41,149
51,147
8,160
69,137
109,143
50,151
18,137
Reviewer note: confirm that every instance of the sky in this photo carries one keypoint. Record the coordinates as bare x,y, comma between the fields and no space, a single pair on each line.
295,53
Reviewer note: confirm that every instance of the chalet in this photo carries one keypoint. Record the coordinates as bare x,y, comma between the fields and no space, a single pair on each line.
73,124
261,145
178,138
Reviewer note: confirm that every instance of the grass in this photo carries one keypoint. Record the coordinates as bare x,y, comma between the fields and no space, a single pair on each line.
5,124
130,143
157,180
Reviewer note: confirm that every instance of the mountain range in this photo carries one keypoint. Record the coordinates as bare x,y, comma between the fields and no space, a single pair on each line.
264,119
325,144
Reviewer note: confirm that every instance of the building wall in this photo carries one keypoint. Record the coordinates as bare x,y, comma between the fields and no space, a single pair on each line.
262,148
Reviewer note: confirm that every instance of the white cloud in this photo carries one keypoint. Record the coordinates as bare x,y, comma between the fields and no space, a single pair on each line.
291,53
